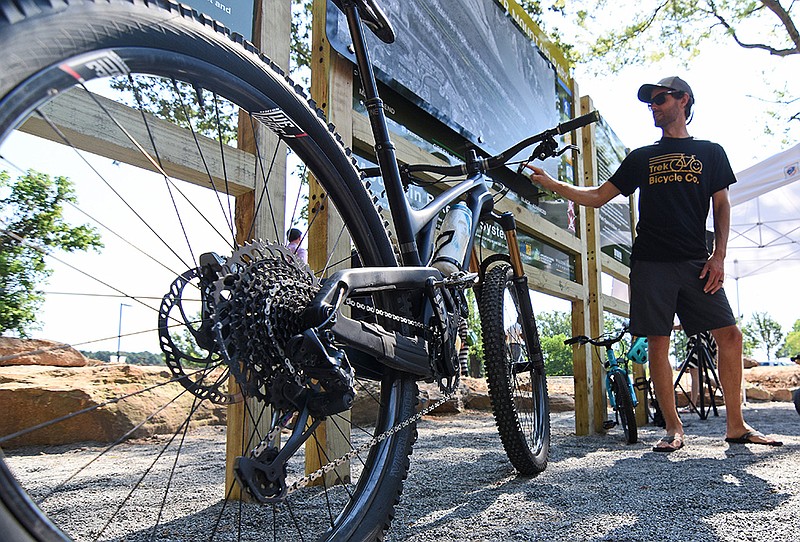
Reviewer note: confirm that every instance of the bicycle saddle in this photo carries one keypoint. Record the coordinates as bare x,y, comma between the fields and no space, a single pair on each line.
374,17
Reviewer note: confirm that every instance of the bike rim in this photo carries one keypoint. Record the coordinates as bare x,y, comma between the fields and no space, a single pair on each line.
175,509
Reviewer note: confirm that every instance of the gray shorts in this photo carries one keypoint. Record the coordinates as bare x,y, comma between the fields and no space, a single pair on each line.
660,290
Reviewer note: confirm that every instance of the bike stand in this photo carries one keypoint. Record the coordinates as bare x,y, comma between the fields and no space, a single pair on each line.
707,378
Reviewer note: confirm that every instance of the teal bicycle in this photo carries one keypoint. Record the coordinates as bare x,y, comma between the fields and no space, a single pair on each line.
619,384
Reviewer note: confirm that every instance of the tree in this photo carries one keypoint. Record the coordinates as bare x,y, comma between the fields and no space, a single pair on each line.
766,330
554,329
608,36
791,346
31,213
750,340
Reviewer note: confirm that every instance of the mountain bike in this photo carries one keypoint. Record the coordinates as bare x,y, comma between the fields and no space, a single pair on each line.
619,384
242,321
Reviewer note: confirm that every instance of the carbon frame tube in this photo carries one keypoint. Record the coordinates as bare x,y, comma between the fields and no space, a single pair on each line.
384,148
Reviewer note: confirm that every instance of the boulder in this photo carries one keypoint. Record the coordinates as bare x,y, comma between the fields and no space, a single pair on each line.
561,402
39,352
31,395
749,362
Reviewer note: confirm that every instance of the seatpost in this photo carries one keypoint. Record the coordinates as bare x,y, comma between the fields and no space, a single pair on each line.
384,148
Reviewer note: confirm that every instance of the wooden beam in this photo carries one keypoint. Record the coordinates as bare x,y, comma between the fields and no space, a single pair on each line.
332,90
254,220
88,128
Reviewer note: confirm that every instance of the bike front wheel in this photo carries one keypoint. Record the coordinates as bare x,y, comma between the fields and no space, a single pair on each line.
624,406
518,392
172,197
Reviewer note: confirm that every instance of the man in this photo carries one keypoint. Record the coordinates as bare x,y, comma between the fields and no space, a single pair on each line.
671,272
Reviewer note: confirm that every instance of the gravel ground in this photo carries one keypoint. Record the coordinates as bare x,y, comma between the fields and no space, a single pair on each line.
599,488
461,487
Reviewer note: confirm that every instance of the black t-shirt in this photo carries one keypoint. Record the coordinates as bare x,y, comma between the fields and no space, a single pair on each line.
675,178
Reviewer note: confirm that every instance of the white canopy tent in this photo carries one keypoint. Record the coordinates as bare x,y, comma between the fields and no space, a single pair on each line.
765,216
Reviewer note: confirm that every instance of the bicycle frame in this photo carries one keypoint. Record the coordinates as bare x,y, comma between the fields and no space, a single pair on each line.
415,231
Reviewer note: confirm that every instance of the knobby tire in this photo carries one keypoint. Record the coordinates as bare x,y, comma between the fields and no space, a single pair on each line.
51,51
625,410
518,393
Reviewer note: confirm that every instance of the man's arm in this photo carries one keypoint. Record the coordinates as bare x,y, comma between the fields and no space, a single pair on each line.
590,196
715,266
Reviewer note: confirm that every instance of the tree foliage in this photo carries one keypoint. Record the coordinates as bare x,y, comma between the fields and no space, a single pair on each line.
133,358
791,346
606,36
766,331
554,328
31,211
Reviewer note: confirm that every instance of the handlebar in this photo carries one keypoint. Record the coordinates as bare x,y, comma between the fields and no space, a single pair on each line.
605,339
494,162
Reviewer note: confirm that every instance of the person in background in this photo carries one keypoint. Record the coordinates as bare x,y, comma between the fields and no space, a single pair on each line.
294,237
679,178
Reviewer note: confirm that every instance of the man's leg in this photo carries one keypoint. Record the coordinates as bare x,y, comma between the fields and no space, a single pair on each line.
729,344
661,375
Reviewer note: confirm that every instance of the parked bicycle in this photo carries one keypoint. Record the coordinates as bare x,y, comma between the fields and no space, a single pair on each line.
240,319
619,383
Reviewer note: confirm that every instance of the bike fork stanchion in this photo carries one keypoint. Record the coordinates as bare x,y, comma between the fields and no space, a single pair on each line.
509,225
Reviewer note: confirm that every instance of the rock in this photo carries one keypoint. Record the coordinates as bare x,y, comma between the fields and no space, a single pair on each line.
39,352
757,393
30,395
363,411
478,400
750,362
560,402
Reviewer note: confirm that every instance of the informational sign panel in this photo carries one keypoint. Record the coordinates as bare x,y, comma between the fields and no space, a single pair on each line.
615,216
234,14
466,63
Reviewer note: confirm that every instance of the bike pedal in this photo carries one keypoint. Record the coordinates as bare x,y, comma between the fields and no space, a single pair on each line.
608,424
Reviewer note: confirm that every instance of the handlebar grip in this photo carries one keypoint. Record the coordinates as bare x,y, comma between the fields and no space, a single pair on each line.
581,339
579,122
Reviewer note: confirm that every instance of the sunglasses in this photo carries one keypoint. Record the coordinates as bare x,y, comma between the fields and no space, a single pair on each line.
659,99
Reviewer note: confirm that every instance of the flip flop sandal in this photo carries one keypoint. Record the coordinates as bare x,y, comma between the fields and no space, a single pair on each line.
749,438
669,440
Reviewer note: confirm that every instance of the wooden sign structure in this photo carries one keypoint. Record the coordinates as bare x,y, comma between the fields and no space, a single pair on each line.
332,89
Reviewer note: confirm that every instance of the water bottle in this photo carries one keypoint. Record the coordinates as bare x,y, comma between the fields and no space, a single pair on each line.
451,244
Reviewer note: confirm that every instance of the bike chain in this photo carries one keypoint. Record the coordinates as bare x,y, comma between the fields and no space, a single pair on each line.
303,482
457,280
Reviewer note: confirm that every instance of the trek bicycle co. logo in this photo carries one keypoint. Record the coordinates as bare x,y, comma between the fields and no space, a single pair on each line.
675,168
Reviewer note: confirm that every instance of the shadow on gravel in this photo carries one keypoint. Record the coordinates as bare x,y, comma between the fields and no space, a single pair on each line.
597,488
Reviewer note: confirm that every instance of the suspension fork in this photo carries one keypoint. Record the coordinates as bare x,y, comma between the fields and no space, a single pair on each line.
520,282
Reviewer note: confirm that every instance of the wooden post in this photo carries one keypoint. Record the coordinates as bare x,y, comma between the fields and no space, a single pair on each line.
591,231
332,90
271,35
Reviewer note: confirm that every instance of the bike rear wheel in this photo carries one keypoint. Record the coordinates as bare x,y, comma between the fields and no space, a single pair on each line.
624,408
518,393
73,87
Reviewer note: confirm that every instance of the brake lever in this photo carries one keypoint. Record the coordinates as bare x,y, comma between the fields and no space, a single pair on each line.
567,148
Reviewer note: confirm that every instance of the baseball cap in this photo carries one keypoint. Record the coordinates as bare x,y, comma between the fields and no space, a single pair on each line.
672,83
